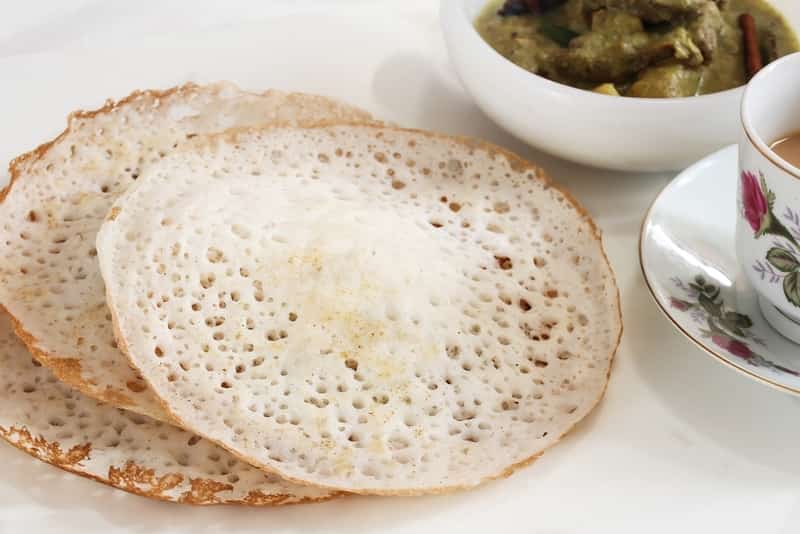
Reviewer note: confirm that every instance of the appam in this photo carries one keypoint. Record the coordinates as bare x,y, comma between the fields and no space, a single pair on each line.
370,309
58,196
56,424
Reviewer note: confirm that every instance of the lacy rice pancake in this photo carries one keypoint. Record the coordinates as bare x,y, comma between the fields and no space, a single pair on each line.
370,309
58,196
58,425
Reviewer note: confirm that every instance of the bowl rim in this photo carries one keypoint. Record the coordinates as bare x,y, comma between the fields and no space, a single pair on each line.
458,9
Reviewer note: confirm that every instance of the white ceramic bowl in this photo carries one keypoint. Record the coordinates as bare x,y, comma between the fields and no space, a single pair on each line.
630,134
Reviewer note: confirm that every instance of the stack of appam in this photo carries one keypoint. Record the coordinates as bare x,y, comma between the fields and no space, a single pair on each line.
214,296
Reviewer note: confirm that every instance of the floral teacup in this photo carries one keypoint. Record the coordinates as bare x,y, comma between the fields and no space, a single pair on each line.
768,226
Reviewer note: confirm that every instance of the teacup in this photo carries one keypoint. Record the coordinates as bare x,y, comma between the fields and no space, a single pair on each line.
768,222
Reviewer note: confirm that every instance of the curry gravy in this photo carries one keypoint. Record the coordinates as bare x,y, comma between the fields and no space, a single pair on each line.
633,52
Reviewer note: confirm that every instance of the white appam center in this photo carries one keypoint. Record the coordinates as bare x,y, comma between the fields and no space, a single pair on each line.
361,281
314,281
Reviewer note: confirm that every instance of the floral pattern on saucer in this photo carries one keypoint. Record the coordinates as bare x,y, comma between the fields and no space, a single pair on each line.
726,328
782,261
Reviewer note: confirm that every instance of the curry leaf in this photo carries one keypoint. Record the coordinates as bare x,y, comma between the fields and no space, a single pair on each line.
782,259
559,34
791,288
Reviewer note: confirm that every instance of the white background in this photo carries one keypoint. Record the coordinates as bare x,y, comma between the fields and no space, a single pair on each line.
680,444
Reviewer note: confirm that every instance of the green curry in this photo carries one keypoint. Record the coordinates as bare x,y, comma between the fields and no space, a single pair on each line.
641,48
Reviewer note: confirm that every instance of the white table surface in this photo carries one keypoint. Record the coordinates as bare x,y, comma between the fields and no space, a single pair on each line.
680,444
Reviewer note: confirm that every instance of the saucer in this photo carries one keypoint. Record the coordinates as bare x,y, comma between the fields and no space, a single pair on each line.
688,257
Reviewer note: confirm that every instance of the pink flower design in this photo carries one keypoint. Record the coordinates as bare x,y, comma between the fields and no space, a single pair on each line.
679,304
755,202
734,346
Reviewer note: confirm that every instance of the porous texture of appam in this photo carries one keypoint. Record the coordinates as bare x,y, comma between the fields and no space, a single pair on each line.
58,196
56,424
377,310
